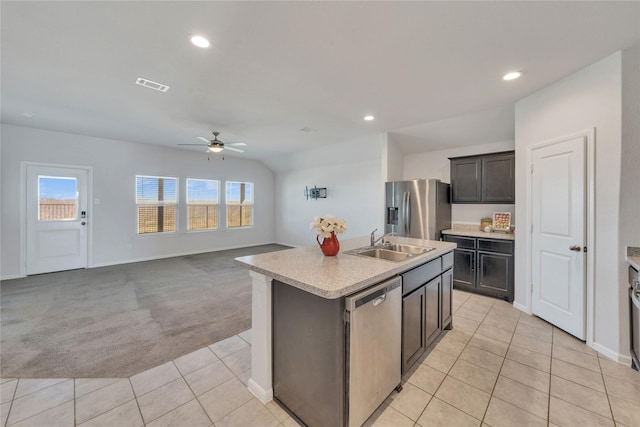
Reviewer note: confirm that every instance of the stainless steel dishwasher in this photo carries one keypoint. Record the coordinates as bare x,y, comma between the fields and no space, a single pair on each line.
374,322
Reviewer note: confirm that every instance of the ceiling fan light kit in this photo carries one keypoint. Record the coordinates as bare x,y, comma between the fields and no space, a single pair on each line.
216,146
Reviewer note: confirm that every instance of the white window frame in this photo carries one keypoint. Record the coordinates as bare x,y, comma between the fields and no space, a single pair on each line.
163,203
217,205
251,204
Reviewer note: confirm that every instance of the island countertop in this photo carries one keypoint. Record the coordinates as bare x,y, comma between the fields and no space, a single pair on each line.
333,277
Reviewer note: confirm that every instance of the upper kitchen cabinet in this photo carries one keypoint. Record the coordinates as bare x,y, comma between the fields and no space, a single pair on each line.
488,178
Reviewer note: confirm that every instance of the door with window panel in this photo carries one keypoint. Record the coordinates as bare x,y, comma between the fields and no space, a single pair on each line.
57,218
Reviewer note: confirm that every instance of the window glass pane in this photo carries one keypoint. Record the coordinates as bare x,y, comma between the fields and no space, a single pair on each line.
203,217
156,219
156,198
239,204
239,192
202,204
202,191
155,190
57,198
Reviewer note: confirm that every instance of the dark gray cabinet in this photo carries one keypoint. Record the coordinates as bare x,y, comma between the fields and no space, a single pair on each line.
413,332
446,295
426,306
488,178
432,314
466,180
483,265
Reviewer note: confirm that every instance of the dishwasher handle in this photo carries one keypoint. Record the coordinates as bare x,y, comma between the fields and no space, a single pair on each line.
377,294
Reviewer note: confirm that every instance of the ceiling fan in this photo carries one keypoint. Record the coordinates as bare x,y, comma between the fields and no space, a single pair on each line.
215,145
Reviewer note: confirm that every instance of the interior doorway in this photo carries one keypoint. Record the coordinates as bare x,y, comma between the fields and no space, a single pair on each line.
56,218
559,233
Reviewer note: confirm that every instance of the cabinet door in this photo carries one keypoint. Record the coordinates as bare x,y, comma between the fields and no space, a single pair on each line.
495,273
432,315
445,305
464,268
413,338
498,178
466,180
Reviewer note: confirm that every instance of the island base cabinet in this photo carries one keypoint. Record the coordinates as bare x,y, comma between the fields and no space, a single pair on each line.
447,295
432,314
413,332
309,355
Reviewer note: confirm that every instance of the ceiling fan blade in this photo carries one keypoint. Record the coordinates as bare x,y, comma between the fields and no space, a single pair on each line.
202,138
199,145
226,147
236,144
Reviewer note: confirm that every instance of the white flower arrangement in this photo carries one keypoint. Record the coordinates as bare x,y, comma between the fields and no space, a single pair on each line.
326,224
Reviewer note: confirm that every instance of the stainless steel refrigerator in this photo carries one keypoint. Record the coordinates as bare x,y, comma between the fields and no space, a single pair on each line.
419,208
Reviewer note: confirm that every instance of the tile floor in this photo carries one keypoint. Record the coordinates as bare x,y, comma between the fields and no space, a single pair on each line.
497,367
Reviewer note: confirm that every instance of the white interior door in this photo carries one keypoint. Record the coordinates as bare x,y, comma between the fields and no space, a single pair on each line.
558,235
56,219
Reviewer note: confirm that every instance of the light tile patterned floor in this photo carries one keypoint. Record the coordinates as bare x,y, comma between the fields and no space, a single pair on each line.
497,367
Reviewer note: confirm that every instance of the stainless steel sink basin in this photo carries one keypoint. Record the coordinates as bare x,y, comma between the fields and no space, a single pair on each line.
385,254
407,249
390,251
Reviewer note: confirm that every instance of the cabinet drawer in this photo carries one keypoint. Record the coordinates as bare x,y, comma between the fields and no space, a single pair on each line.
447,260
501,246
419,276
463,242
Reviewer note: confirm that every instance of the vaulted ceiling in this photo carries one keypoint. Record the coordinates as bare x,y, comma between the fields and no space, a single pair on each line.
430,72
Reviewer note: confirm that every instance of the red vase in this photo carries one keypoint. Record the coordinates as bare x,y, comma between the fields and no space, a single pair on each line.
330,245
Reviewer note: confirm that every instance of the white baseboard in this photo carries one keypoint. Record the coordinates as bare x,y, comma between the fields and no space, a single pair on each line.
615,356
264,396
520,307
287,244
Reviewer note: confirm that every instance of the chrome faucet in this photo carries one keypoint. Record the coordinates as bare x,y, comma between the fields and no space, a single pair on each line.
373,240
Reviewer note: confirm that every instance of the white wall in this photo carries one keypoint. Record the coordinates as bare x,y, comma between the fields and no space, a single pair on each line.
113,221
629,234
436,164
590,98
352,173
392,160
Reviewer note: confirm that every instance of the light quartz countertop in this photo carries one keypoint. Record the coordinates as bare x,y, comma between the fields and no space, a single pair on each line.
333,277
633,257
478,233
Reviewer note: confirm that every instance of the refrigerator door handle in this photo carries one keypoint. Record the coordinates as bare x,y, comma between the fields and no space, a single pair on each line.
407,213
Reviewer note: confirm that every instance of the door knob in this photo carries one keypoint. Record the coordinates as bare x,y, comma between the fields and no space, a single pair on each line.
83,223
574,248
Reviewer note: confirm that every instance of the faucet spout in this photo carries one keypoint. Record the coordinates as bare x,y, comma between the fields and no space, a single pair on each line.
373,240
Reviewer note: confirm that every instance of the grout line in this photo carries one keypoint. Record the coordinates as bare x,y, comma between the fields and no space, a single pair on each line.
135,397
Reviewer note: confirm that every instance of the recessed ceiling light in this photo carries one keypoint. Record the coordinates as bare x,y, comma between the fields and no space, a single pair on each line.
512,75
200,41
151,84
28,115
369,118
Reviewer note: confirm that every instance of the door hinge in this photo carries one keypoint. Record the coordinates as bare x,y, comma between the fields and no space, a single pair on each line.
532,289
531,228
531,167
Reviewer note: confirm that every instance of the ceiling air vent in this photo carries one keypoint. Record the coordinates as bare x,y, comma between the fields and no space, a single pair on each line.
151,84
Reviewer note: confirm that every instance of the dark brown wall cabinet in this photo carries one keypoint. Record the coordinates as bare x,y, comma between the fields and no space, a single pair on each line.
488,178
483,265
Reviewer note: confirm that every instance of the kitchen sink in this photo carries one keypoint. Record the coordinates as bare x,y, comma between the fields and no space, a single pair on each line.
384,254
390,251
407,249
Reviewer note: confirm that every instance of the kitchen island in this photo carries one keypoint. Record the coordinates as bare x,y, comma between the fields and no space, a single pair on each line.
325,278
